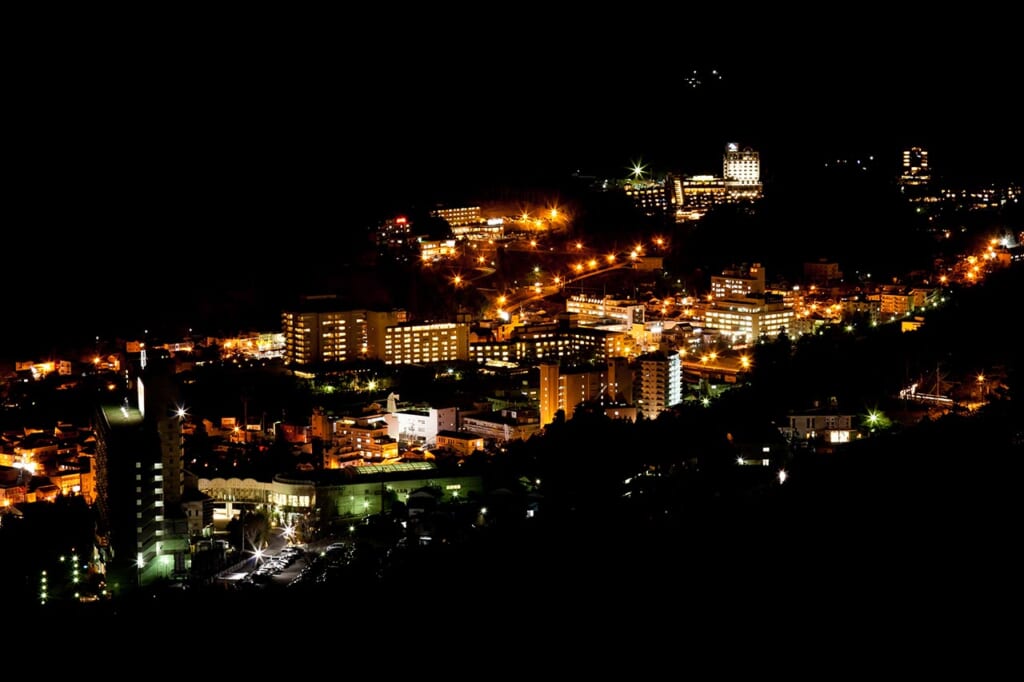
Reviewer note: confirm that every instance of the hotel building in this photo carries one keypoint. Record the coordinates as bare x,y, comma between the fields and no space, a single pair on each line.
741,170
915,171
553,342
140,479
319,332
740,281
659,383
625,312
413,343
565,389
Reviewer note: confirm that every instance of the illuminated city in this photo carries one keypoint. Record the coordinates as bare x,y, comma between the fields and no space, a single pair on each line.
652,373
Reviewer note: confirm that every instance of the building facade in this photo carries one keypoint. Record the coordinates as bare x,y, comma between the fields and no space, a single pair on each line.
738,281
565,389
320,333
419,427
915,172
140,478
659,385
749,318
461,443
741,170
413,343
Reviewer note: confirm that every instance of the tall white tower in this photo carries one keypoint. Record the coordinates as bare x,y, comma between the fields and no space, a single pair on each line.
915,167
741,172
741,166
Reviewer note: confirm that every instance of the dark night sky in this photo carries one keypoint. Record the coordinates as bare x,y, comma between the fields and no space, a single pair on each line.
141,158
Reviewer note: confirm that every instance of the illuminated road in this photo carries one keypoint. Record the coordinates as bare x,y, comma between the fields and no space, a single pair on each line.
542,292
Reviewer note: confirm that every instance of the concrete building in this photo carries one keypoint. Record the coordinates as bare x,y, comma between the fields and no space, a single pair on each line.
412,427
738,281
460,442
565,388
659,383
140,478
747,319
503,426
319,331
741,170
359,439
418,343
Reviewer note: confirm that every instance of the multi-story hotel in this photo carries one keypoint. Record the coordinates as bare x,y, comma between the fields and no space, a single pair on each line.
745,319
358,439
895,302
437,249
739,281
915,171
592,308
553,342
564,389
395,234
320,332
659,383
413,343
741,169
700,192
459,216
140,478
467,222
653,196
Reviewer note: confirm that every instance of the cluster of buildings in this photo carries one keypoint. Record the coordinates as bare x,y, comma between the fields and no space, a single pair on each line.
38,465
607,331
631,359
158,518
688,197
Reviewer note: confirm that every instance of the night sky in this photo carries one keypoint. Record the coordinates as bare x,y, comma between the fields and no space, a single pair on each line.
145,158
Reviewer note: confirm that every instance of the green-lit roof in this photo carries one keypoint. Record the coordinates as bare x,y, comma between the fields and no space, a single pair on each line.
118,415
398,467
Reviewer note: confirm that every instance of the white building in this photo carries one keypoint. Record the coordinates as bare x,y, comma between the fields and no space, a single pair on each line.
659,384
741,169
426,343
419,427
747,319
